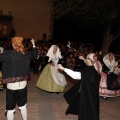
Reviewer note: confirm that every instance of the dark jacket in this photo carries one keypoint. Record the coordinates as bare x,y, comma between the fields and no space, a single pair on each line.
16,64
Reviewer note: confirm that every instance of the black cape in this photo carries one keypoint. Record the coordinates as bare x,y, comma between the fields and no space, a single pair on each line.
86,102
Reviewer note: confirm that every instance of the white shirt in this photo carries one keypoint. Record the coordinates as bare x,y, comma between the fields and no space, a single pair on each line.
17,85
73,74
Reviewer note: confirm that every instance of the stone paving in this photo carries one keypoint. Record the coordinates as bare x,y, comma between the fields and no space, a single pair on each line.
45,106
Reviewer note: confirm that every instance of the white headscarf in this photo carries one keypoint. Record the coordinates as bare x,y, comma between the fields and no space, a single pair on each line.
1,49
96,63
111,65
91,56
50,53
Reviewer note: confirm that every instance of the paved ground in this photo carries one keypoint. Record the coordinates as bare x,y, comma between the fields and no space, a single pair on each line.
46,106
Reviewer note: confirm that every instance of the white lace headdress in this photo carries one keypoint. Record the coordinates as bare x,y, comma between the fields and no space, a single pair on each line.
111,65
50,52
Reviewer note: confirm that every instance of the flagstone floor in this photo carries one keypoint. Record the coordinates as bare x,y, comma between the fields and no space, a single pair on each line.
45,106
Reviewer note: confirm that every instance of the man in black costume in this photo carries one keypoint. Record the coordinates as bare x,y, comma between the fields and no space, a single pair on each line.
15,72
89,88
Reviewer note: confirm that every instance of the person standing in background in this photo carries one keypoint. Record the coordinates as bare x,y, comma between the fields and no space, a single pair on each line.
15,71
1,85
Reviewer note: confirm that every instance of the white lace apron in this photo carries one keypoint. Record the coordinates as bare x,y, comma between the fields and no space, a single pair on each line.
58,77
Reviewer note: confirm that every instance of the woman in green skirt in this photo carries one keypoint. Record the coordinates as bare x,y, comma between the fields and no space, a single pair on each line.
51,79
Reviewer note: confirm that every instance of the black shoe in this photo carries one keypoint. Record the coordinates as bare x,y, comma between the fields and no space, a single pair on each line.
1,89
105,98
51,92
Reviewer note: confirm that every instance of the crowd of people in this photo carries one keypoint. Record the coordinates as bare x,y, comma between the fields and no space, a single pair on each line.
98,73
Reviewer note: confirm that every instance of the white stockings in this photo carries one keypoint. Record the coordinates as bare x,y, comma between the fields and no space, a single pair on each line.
23,110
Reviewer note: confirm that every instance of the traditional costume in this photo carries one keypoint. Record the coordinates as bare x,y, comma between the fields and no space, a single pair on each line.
109,84
51,79
15,71
85,92
1,84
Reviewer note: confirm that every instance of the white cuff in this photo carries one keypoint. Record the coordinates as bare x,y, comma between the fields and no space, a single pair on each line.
73,74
